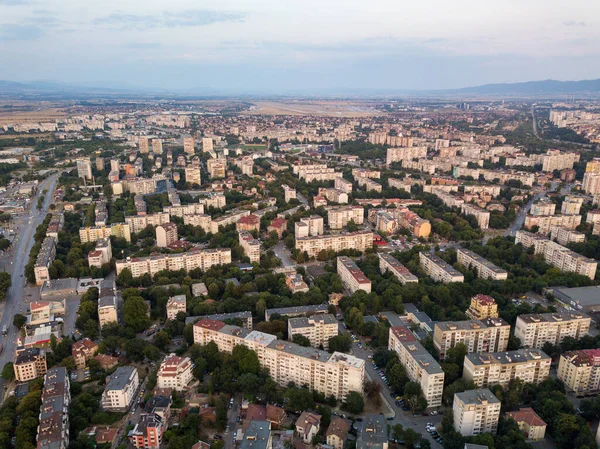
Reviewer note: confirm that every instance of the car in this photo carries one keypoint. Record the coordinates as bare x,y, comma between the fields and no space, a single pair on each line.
390,418
393,395
429,424
433,413
369,356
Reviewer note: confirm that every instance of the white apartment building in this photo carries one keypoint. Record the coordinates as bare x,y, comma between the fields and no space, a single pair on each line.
499,368
175,372
564,236
558,256
571,205
545,222
225,220
488,335
95,233
557,160
182,211
340,216
352,277
101,255
144,145
288,193
342,184
484,268
419,364
400,272
369,184
404,154
120,390
204,221
591,183
334,374
309,226
535,329
84,168
138,223
250,245
359,241
580,371
166,234
438,269
176,304
216,200
187,261
188,145
317,328
207,144
192,175
216,168
482,216
475,412
365,173
336,195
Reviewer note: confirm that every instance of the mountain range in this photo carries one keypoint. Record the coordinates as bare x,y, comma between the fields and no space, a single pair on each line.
549,88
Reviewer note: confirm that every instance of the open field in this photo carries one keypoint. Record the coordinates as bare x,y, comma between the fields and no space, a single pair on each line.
334,108
26,112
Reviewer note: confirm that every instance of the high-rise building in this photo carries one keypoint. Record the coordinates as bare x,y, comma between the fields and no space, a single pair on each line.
340,216
144,145
188,145
207,144
216,168
482,307
309,226
489,335
192,175
317,328
166,234
438,269
157,146
535,329
352,277
359,241
484,268
475,412
84,168
580,371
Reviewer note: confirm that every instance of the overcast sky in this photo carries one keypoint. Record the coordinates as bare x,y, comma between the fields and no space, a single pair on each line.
287,45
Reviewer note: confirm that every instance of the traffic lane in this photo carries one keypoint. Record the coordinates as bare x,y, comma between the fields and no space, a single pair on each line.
232,415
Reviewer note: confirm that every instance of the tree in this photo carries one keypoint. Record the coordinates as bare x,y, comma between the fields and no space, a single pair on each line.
162,340
246,359
373,391
19,320
397,432
299,399
5,283
8,372
135,313
354,403
340,343
301,340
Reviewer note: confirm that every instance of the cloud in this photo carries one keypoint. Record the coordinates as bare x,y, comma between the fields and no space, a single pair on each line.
189,18
143,45
20,32
14,2
574,23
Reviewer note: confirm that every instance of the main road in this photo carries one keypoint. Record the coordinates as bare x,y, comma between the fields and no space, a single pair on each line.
22,245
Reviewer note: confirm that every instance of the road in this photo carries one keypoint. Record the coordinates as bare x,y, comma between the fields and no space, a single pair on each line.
283,254
520,220
534,121
14,302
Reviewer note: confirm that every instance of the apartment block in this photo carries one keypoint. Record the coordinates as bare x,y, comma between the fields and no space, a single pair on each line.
410,220
339,216
438,269
403,154
204,221
107,310
175,305
175,373
385,222
580,371
484,268
535,329
317,328
543,207
334,374
216,168
148,431
571,205
288,193
564,236
352,277
144,145
182,211
591,183
400,272
419,364
250,245
82,351
475,412
545,222
207,144
365,173
335,195
84,168
29,364
44,259
558,160
216,200
488,335
187,261
192,175
248,223
482,307
166,234
558,256
532,426
120,391
369,184
309,226
138,223
225,220
95,233
53,428
188,145
482,216
499,368
343,184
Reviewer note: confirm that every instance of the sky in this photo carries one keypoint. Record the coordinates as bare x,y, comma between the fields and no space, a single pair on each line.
295,46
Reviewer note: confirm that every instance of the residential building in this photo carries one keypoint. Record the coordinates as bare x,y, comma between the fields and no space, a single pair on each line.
438,269
148,431
157,146
532,426
475,412
192,175
535,329
489,335
204,221
308,426
543,207
482,216
225,220
369,184
545,222
107,310
288,193
405,154
82,351
309,226
484,268
558,256
499,368
101,255
143,145
373,434
257,436
95,233
216,168
215,199
335,195
482,307
188,145
591,183
196,258
337,432
166,234
175,372
295,282
564,236
296,311
45,311
53,428
278,225
121,389
182,211
44,259
386,222
138,223
411,221
334,374
175,305
359,241
29,364
250,245
580,371
342,184
419,364
558,160
248,223
317,328
352,277
207,144
400,272
84,168
571,205
339,216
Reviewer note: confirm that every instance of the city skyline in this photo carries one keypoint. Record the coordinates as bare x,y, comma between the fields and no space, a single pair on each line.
266,47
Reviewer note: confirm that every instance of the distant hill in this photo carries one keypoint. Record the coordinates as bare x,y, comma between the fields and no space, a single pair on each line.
531,88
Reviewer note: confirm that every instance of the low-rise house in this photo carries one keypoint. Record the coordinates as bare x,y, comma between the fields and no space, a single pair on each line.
308,426
83,351
337,432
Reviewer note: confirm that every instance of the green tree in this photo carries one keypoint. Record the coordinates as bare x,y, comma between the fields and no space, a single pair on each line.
354,403
340,343
8,371
135,313
301,340
19,320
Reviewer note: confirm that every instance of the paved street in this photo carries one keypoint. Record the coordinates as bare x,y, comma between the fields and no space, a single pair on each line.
21,248
283,254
